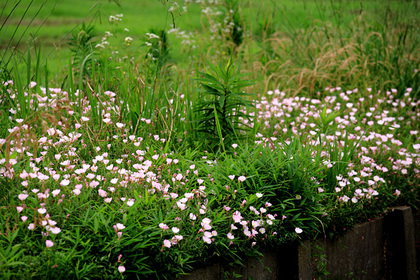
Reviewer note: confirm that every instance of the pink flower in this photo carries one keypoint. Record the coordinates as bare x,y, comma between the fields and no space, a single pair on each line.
163,226
102,193
49,243
193,217
114,181
207,239
76,191
205,223
55,192
237,216
22,196
230,236
55,230
181,205
178,237
167,243
189,195
121,269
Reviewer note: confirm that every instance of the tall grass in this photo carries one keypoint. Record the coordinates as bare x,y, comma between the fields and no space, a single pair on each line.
382,53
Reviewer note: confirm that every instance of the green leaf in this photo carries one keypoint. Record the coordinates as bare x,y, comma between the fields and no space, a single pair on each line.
222,101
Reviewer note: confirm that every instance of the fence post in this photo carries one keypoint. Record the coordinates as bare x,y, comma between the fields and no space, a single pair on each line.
401,251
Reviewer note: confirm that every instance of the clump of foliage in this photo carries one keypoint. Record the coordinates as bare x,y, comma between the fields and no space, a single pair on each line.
82,46
222,114
234,22
158,47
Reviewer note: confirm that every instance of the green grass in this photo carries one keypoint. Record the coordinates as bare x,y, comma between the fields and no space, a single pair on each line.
334,18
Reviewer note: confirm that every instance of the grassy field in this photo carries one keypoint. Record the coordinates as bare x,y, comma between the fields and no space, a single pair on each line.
269,24
132,148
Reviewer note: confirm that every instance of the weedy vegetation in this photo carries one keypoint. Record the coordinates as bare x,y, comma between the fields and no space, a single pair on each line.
217,131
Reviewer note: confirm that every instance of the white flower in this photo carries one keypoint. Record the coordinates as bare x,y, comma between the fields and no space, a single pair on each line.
130,202
56,230
22,196
241,178
65,182
55,192
298,230
120,226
